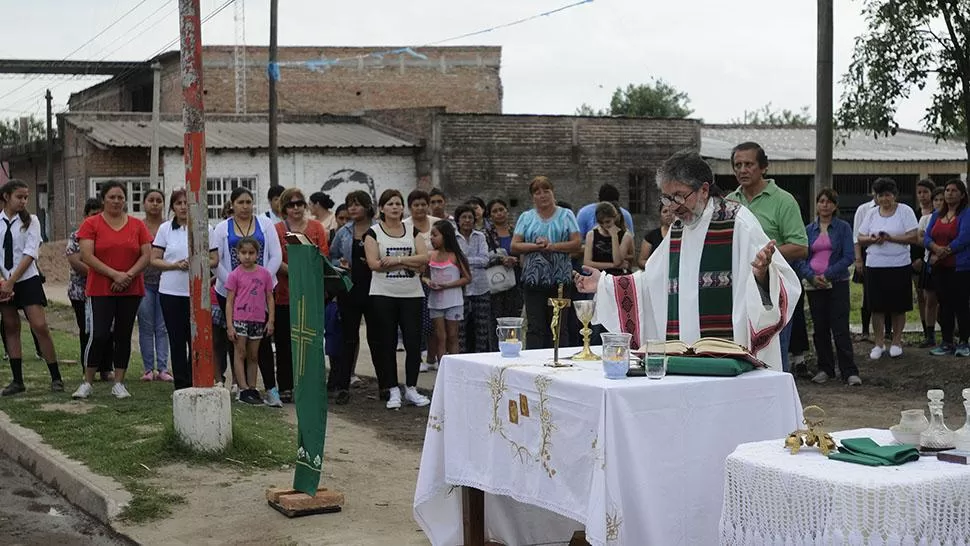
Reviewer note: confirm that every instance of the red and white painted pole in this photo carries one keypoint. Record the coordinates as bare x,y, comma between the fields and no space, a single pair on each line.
193,117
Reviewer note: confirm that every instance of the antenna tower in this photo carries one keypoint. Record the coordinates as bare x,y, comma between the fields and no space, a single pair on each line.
239,56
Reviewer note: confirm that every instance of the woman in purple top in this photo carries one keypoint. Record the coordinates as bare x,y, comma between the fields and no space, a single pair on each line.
826,275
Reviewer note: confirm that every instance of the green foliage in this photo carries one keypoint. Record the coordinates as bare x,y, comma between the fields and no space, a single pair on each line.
657,100
907,42
767,115
10,131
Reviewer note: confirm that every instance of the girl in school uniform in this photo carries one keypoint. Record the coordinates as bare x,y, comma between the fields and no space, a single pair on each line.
21,287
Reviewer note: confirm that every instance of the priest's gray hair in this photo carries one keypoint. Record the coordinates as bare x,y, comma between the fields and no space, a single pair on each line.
686,168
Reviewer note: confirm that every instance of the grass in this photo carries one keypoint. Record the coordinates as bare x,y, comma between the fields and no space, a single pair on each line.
128,440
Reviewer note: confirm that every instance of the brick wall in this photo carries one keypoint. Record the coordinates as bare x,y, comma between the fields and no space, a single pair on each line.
497,156
461,79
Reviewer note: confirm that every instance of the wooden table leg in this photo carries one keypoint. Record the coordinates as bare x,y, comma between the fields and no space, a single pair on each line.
473,516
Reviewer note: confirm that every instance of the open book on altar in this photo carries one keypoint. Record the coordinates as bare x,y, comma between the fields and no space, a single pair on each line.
713,347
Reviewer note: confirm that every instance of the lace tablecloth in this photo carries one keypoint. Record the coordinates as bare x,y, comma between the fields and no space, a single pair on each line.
634,461
774,498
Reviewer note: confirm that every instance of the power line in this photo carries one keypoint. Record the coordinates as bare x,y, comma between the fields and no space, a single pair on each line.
511,23
105,29
165,4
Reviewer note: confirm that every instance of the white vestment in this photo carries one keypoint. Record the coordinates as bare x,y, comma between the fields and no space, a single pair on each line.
756,324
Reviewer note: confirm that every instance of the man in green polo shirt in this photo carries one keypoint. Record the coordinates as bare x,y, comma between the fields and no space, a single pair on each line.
776,210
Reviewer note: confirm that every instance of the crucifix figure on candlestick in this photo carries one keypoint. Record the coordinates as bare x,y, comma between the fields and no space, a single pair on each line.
558,304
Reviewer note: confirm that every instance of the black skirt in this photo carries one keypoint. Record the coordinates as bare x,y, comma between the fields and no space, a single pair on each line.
889,289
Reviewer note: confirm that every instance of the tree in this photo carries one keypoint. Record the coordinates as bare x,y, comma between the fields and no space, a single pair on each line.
657,100
906,43
767,115
10,131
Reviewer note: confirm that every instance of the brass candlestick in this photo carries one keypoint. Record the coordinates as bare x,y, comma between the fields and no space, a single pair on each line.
584,312
558,304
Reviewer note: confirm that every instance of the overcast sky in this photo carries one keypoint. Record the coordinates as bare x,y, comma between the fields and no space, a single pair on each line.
727,56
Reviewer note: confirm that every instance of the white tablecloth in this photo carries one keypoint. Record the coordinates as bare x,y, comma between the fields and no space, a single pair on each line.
773,497
634,461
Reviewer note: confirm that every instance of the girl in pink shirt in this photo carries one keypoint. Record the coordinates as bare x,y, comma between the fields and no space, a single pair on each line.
249,316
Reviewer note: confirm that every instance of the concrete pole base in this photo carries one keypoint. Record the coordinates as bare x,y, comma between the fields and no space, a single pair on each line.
203,418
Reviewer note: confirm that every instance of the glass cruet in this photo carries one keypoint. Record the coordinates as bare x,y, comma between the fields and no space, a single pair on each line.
961,438
936,437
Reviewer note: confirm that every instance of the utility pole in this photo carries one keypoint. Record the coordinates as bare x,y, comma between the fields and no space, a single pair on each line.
156,120
193,117
274,73
823,100
46,224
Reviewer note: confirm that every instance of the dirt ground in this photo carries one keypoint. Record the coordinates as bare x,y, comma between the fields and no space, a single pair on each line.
372,456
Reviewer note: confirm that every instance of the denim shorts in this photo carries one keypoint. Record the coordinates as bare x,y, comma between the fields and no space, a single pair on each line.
249,328
452,313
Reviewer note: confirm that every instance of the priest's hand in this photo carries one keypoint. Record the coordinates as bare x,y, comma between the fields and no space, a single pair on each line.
587,282
761,262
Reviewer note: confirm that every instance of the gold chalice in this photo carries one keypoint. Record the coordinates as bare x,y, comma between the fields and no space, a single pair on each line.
584,312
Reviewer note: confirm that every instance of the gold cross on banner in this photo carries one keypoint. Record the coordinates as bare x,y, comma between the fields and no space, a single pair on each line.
302,336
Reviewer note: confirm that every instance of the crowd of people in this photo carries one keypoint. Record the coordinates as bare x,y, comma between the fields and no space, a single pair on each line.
430,283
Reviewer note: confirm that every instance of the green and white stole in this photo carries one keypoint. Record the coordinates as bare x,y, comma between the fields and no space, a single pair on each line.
714,278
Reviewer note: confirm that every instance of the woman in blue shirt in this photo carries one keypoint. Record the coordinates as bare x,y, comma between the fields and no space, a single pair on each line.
826,275
545,237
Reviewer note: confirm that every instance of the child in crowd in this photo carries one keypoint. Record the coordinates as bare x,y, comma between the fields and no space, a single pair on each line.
448,272
249,315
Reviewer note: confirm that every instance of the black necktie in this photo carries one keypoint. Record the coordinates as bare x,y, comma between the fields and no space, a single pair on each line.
8,246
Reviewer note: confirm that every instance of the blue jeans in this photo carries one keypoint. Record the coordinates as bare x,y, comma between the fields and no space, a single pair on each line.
152,335
785,340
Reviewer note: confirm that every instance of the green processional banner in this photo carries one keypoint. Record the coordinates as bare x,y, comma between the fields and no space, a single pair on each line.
310,273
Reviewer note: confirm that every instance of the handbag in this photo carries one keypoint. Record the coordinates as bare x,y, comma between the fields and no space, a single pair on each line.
500,278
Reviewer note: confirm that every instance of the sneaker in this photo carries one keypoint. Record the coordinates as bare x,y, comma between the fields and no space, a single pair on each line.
149,376
220,385
413,397
273,398
962,350
251,397
433,366
394,400
165,376
424,367
83,391
876,352
286,396
943,349
820,377
342,398
12,389
354,380
895,351
854,381
57,385
119,391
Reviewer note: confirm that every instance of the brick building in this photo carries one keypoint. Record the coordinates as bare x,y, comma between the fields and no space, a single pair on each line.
498,155
331,80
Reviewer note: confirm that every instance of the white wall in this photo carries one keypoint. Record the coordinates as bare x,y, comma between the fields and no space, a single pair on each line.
306,169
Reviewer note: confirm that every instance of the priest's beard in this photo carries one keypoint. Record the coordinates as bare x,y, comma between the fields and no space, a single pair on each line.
695,215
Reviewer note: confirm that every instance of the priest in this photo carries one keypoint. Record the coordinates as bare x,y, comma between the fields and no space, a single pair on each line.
716,274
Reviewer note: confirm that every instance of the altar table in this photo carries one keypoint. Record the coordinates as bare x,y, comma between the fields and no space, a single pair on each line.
772,497
633,461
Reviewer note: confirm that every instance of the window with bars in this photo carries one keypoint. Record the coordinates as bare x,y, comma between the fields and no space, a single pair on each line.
135,186
218,189
639,181
72,202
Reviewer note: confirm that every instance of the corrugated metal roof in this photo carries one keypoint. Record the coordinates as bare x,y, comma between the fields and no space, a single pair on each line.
798,143
239,134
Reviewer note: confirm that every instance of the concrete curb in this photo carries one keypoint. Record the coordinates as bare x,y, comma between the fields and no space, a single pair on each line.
101,497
